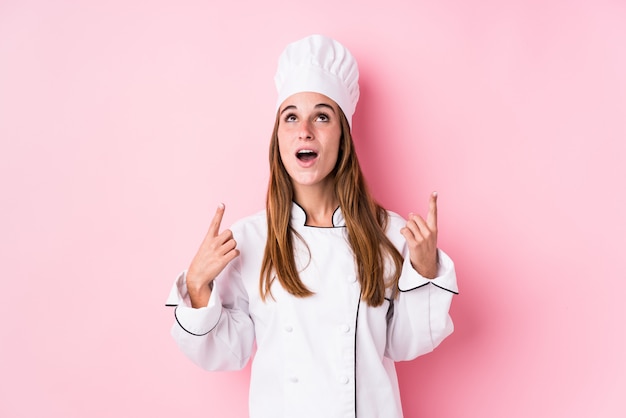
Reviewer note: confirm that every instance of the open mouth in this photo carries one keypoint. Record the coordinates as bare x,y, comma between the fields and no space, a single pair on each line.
306,155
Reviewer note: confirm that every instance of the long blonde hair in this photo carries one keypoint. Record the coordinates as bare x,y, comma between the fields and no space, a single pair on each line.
366,222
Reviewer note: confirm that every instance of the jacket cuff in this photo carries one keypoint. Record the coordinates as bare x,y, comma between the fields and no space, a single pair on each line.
446,276
195,321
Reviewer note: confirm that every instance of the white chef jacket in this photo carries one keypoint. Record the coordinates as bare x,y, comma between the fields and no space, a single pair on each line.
329,355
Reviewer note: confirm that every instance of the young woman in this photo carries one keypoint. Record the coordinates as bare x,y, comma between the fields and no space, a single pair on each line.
329,287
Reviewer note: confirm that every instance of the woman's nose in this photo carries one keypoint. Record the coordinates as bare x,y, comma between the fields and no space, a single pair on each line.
306,133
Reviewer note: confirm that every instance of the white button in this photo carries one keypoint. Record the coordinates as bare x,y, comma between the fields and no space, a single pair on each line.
293,379
288,328
345,328
345,380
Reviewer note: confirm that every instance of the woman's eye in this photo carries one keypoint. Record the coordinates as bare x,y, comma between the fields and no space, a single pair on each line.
322,117
290,118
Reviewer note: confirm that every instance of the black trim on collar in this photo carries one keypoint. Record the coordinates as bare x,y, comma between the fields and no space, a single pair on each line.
189,332
332,219
451,291
321,227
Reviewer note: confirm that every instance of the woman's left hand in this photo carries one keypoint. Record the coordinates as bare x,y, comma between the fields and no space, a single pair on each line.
421,237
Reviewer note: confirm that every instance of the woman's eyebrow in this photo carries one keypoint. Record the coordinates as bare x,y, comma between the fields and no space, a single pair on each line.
317,106
325,105
287,108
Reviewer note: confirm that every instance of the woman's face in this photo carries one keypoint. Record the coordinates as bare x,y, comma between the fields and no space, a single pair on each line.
309,132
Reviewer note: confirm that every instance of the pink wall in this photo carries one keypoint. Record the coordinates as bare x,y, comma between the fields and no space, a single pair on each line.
123,123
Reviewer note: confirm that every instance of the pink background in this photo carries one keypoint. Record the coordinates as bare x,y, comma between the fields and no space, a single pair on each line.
124,123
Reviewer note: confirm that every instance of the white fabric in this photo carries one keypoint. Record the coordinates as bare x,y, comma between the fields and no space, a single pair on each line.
322,65
311,351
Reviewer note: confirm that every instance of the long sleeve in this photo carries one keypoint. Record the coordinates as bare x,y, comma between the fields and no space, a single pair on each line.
420,317
219,336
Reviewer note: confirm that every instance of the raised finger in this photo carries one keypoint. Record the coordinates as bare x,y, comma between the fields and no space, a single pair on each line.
431,218
214,228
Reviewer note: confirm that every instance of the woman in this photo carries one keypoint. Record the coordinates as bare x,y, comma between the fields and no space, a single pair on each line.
329,286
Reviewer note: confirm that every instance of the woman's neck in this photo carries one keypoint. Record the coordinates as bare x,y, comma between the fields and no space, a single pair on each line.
319,204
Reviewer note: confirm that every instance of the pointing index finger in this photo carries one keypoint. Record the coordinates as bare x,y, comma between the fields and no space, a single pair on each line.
431,220
214,229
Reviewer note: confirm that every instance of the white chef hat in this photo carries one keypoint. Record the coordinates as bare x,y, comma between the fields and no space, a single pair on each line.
322,65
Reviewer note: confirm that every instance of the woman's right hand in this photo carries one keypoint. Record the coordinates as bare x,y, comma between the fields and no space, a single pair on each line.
215,252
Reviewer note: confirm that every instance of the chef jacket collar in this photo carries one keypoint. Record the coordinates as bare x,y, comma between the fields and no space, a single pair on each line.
298,217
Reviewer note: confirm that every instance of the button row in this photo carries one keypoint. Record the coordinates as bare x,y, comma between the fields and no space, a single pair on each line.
344,328
343,380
